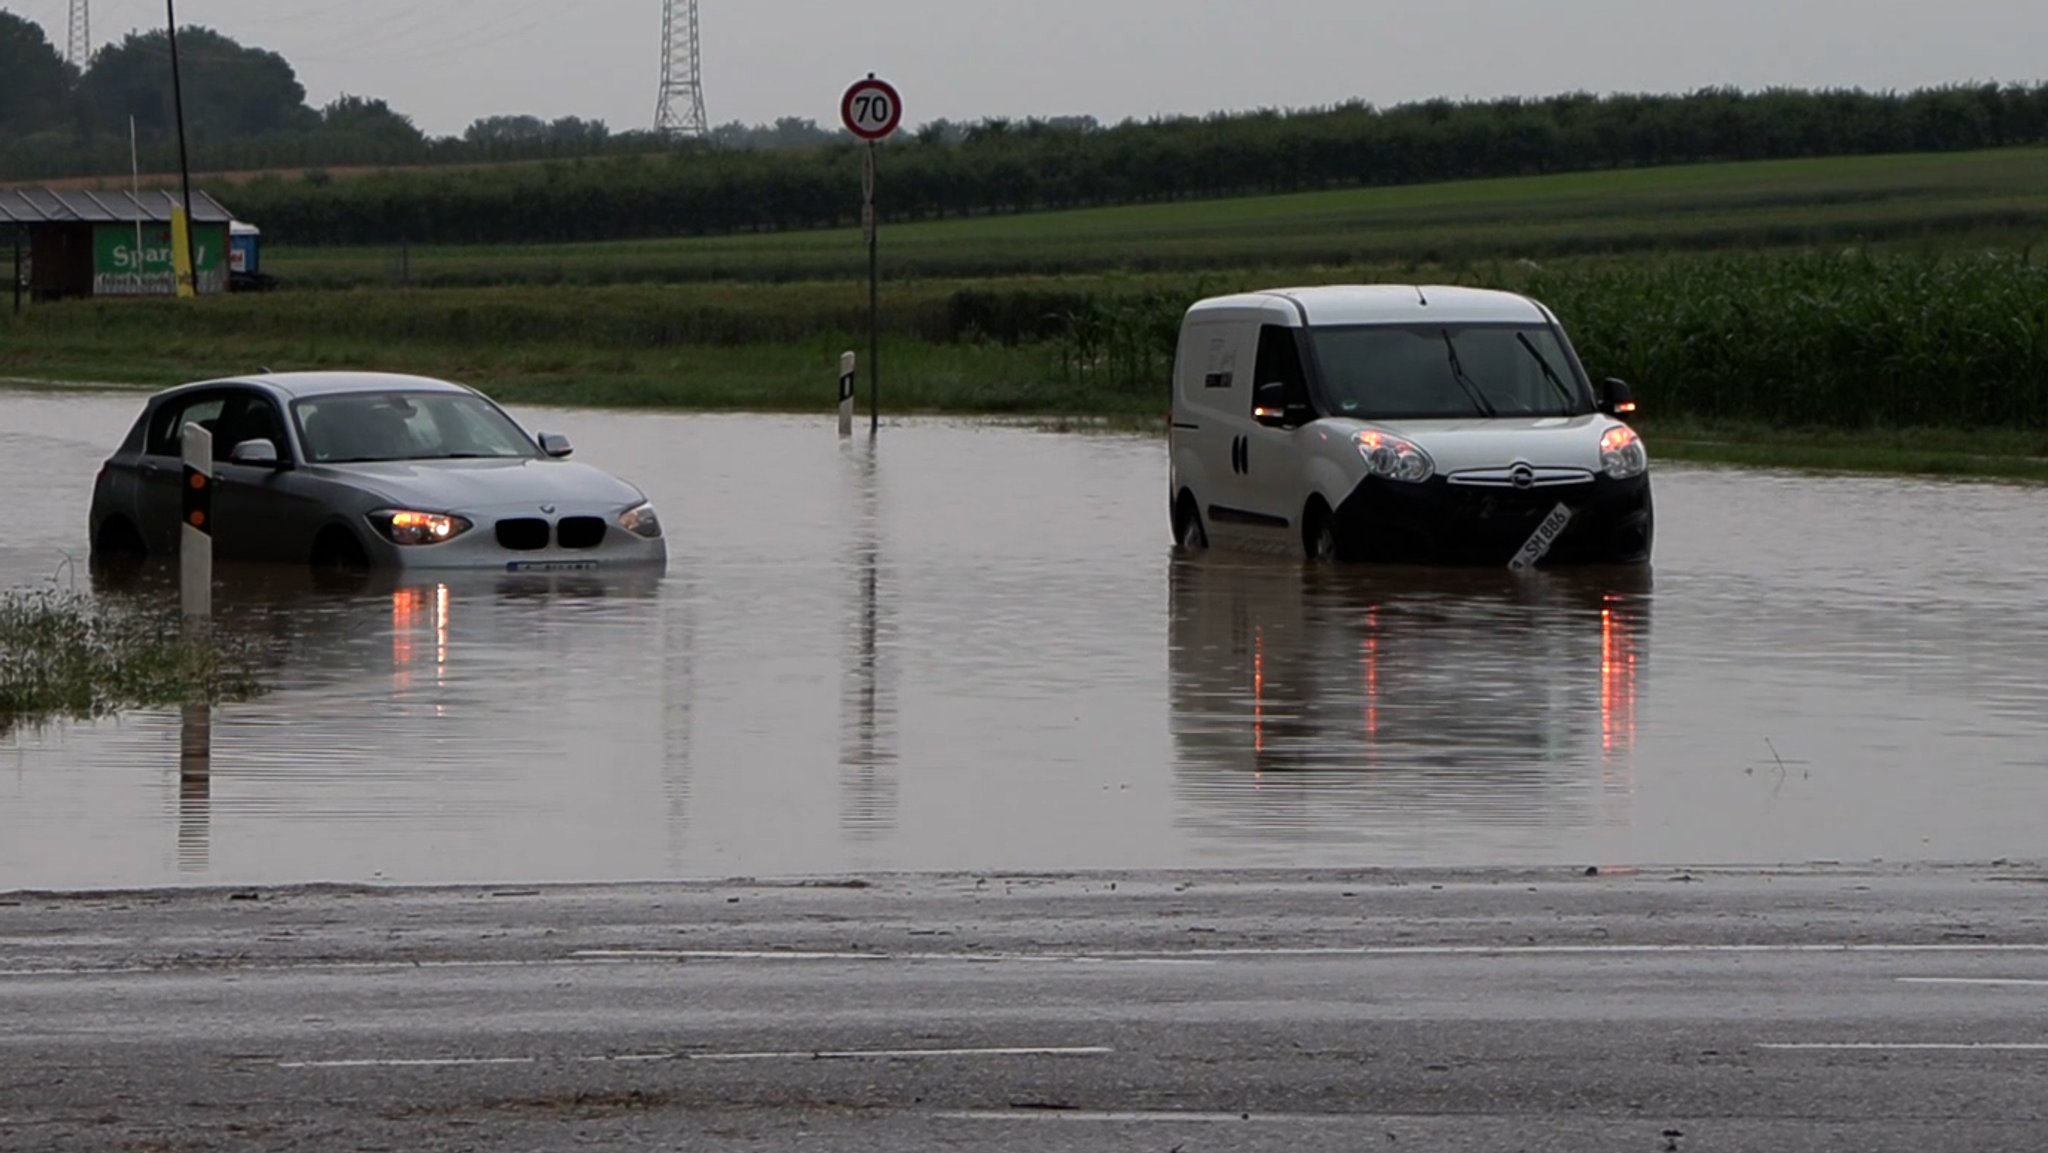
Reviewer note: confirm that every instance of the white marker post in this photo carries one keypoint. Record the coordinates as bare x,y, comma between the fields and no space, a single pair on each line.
847,375
872,111
195,535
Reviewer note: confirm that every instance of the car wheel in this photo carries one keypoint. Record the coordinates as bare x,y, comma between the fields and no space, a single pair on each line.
336,553
1319,533
118,544
1188,532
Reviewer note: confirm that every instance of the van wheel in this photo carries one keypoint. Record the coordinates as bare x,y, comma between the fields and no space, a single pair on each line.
1188,532
1319,533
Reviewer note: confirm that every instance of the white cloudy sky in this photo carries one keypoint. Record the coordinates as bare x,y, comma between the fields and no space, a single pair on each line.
447,62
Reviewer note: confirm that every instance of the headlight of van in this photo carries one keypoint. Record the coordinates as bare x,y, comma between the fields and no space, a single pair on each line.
1393,458
1622,453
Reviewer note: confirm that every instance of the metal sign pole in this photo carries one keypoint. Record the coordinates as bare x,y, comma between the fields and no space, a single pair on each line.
17,268
874,294
195,535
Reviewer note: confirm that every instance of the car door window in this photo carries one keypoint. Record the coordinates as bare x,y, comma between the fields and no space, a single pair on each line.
167,431
1280,360
247,416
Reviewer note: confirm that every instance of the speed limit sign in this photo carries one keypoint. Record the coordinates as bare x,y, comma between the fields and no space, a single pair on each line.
871,109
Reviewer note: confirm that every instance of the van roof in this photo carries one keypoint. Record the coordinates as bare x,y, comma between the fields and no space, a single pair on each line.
1384,304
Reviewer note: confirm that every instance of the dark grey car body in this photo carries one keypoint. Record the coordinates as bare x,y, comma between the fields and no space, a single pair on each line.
295,510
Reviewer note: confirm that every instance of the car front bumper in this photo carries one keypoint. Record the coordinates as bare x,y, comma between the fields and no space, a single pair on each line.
541,548
1613,522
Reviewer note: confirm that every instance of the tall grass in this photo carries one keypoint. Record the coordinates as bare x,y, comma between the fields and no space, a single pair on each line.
1847,339
66,656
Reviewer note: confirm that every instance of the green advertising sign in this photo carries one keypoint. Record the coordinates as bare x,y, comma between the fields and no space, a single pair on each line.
119,268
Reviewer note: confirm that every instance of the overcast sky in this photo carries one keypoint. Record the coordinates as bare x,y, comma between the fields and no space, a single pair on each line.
447,62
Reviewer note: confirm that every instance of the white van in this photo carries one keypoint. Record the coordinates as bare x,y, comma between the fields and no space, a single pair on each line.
1401,423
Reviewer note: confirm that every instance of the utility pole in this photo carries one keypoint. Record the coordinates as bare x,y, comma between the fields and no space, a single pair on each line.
189,278
679,112
78,45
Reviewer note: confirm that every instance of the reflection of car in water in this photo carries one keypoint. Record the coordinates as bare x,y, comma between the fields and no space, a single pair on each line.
359,470
307,626
1334,693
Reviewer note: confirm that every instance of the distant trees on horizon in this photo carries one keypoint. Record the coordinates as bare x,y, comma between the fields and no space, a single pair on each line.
247,111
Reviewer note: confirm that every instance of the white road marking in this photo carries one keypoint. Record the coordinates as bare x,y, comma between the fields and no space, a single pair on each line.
631,956
906,1054
1991,981
1162,1117
409,1063
765,1055
1910,1046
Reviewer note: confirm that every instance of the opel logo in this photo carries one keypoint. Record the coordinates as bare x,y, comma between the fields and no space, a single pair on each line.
1523,476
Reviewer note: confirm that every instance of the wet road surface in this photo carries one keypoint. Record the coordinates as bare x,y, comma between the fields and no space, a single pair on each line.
973,648
1858,1009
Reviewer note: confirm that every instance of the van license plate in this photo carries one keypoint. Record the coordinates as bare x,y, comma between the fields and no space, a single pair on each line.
552,566
1546,534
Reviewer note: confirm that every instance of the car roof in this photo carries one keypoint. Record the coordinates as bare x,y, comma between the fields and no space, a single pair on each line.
1340,304
300,385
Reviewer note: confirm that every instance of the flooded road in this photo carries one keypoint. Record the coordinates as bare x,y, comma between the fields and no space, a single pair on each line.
974,649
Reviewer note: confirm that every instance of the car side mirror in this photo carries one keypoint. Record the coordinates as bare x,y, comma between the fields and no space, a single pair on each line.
1617,399
1270,406
259,453
555,445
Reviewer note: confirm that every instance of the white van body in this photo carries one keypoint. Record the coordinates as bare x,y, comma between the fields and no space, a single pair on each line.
1400,423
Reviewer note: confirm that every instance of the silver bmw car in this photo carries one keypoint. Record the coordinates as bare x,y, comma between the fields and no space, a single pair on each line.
354,471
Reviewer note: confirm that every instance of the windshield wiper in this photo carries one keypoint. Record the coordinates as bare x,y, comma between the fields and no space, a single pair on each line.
1549,373
1465,382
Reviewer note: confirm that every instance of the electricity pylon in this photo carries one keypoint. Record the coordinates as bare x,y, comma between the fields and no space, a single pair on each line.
680,110
78,45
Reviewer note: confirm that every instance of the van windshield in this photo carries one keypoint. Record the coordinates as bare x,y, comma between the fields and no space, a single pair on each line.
1425,372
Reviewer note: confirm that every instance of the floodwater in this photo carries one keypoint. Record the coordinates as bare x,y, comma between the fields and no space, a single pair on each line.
973,649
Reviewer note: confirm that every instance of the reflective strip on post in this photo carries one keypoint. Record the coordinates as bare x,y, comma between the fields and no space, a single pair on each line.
195,535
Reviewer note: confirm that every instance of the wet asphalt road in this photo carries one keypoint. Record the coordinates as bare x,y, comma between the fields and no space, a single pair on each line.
1866,1009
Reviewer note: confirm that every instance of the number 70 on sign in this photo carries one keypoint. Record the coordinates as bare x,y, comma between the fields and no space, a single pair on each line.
871,109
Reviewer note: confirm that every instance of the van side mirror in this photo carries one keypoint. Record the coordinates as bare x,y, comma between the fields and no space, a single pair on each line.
555,445
1270,406
259,453
1617,399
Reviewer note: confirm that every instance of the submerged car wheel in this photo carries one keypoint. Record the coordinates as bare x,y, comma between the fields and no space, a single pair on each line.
336,553
1319,533
118,544
1188,532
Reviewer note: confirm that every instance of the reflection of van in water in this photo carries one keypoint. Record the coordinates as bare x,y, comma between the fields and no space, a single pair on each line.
1367,695
1400,423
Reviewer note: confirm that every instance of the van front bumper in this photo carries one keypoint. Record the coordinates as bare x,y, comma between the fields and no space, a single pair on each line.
1437,522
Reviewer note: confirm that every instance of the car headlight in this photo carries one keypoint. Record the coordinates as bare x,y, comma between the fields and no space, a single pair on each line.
641,521
404,526
1393,458
1622,453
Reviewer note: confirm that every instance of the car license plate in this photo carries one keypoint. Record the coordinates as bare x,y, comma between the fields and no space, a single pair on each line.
1539,543
551,566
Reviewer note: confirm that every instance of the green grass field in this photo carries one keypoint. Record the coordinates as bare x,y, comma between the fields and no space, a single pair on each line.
1777,312
1998,197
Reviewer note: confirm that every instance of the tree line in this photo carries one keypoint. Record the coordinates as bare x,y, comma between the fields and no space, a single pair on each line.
999,166
246,110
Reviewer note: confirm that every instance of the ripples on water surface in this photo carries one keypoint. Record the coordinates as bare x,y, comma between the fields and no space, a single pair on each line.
974,650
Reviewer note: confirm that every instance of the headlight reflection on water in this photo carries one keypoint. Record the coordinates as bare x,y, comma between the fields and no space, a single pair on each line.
413,611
